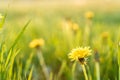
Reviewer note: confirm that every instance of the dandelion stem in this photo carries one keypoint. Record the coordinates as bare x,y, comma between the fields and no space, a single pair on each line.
97,70
84,71
43,65
87,32
89,73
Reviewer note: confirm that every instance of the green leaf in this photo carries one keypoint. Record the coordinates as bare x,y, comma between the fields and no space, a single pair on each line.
20,34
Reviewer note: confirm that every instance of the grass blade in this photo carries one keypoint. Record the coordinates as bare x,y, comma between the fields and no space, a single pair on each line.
8,58
30,75
62,68
20,34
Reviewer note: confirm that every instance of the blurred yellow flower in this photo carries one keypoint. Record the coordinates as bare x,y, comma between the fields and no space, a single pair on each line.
75,27
89,15
79,54
69,23
1,17
36,43
105,35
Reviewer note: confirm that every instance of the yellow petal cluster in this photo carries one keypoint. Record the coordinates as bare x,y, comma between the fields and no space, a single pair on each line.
89,15
36,43
79,53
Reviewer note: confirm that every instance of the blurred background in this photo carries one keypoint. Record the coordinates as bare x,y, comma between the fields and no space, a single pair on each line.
51,20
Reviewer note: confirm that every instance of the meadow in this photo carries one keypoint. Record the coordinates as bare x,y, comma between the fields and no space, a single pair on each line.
52,24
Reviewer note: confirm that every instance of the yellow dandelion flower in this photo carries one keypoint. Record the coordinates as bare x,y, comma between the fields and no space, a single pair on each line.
36,43
80,54
75,27
105,35
89,15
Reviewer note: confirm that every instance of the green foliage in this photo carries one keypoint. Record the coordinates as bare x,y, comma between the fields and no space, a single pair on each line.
17,59
8,60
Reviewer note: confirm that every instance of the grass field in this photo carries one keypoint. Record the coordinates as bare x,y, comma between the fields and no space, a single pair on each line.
51,23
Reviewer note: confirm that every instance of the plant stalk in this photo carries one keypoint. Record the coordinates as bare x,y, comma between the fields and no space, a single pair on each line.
42,63
84,71
97,70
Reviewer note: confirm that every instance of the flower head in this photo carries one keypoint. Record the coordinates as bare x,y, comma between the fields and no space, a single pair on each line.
79,54
105,35
89,15
36,43
75,27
